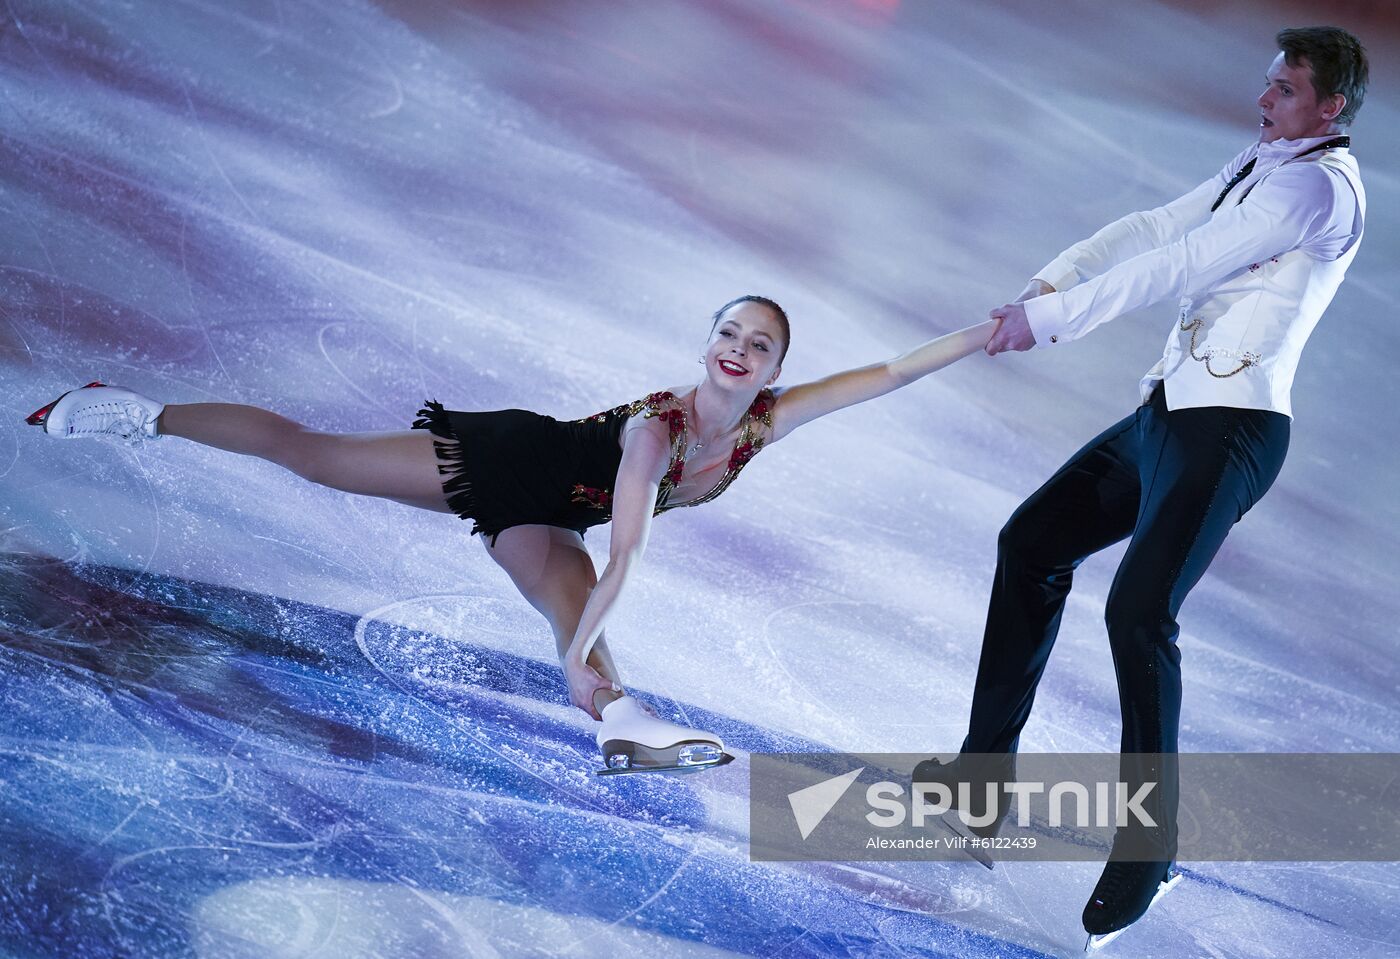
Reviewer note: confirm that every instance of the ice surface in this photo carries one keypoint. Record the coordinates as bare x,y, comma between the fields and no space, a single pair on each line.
246,716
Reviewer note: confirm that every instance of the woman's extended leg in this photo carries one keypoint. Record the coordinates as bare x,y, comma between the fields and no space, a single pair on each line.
555,574
400,465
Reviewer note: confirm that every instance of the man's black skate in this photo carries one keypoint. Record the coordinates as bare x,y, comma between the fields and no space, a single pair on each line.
1126,890
976,772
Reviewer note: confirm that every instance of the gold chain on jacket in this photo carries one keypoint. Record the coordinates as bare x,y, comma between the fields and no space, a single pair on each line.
1194,327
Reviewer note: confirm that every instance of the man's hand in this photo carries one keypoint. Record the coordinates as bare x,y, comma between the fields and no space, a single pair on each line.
1013,332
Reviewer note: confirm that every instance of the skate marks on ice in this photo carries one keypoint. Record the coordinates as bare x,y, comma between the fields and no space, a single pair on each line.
189,769
409,643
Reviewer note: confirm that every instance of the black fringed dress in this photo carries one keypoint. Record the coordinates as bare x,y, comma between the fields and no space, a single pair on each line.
513,467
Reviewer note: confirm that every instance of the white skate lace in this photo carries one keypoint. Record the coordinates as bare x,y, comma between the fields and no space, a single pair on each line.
114,418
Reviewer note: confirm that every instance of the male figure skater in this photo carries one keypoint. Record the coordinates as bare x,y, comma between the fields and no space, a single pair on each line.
1254,255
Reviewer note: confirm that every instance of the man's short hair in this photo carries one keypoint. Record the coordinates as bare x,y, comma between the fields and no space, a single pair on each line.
1338,63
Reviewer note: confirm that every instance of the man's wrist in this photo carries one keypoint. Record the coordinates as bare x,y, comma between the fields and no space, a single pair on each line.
1036,287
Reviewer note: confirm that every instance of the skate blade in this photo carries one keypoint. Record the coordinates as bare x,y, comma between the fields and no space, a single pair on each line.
1095,943
672,770
40,416
957,827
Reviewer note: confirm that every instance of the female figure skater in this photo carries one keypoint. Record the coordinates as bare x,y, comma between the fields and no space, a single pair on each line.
532,484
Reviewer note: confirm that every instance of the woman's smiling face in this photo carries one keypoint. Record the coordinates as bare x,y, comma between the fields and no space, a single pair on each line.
746,347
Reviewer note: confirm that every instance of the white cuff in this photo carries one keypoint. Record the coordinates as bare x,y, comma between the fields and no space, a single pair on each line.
1045,316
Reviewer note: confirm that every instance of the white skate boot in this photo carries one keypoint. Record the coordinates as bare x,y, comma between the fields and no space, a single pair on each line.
634,741
99,410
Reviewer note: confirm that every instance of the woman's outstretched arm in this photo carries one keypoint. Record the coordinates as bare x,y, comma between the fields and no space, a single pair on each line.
804,403
645,456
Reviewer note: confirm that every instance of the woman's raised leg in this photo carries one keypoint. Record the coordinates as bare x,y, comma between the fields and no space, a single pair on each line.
400,465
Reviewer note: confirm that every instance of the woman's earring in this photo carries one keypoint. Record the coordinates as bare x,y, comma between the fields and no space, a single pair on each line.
701,361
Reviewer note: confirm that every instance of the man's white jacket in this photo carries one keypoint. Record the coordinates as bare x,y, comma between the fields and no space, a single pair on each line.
1252,278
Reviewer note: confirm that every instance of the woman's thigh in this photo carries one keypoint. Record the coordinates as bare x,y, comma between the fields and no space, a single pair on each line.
401,465
550,566
553,571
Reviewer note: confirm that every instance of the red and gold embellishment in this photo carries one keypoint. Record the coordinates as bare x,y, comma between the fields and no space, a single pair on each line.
590,496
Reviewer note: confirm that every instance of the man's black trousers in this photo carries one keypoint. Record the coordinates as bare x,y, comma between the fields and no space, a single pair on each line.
1173,481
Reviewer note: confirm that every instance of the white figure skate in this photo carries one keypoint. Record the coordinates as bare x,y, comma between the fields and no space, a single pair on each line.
634,741
99,410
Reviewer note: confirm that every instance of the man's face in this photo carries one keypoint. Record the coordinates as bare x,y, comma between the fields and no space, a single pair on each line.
1289,108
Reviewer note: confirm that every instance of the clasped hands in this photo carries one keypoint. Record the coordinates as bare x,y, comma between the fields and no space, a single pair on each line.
1013,332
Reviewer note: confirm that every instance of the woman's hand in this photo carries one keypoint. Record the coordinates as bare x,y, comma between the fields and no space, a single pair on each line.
584,681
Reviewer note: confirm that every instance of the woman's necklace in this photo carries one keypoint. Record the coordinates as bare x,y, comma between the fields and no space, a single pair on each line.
699,444
695,447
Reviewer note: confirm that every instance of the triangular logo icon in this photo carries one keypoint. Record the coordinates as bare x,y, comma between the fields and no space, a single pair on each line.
811,804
